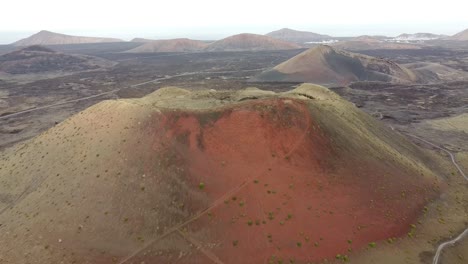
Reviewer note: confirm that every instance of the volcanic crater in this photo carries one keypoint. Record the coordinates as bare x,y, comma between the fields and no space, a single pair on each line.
228,177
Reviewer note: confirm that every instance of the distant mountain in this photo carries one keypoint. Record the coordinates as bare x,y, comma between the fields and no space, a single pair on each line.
429,72
369,38
460,36
250,42
45,37
328,66
142,40
368,43
170,45
38,59
418,37
6,48
297,36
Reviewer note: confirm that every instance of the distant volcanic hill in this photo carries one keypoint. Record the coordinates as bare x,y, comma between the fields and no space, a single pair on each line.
460,36
296,36
250,42
170,45
433,72
201,177
142,40
38,59
370,43
328,66
45,37
369,38
418,37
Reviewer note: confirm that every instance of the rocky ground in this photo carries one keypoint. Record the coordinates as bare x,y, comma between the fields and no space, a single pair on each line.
436,112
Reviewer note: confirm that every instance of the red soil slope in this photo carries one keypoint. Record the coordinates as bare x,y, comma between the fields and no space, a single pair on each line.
259,180
272,191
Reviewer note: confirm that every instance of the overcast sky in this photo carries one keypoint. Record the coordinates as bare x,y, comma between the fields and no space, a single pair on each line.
211,19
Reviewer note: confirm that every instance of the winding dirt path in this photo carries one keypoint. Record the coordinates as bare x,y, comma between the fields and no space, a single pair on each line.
56,104
465,232
131,86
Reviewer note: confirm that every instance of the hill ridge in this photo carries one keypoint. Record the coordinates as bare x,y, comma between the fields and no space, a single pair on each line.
250,42
38,59
462,35
45,37
297,36
170,45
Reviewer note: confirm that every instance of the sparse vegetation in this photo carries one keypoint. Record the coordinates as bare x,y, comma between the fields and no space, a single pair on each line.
201,186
